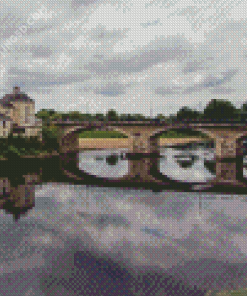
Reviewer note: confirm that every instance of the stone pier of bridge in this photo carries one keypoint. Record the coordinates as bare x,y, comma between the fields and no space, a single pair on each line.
227,142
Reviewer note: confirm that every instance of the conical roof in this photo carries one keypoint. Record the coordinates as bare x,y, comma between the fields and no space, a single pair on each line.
17,95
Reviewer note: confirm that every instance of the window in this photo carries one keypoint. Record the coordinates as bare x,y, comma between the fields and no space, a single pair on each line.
4,124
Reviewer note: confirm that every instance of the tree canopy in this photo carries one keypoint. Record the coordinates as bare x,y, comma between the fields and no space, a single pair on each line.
188,113
220,109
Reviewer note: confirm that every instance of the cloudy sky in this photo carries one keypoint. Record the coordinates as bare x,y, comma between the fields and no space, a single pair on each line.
130,55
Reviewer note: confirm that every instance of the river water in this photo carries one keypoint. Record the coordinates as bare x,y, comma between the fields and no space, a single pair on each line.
77,239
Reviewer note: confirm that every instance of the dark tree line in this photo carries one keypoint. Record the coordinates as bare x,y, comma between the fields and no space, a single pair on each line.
215,110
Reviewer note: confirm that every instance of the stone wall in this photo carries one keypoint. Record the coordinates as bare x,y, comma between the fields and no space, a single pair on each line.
24,113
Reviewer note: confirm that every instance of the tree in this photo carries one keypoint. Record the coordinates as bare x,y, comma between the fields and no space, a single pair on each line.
161,116
112,115
74,115
187,113
244,107
99,116
138,117
220,109
49,138
56,116
243,112
45,113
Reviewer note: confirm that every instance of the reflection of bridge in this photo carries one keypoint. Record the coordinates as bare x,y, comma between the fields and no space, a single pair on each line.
144,136
145,172
17,192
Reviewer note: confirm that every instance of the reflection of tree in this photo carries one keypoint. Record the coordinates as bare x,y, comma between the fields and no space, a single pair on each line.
112,159
210,166
185,164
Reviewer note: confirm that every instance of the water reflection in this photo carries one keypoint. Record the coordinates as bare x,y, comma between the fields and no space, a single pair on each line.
118,241
108,163
17,195
186,166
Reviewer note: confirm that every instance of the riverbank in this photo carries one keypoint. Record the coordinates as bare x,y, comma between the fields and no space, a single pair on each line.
39,156
97,143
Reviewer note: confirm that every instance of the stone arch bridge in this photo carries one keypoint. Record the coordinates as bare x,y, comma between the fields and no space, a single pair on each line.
144,135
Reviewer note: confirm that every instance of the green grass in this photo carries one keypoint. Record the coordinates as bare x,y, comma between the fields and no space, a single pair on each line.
177,134
101,134
240,292
113,134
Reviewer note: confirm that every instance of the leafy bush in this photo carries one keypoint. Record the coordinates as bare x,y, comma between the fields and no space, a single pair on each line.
13,151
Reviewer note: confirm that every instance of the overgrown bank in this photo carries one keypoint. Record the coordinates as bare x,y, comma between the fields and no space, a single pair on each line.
19,146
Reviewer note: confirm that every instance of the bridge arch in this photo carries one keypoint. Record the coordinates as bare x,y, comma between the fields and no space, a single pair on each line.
182,129
70,138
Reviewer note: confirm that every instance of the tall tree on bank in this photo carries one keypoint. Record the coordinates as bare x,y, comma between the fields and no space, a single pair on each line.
112,115
220,109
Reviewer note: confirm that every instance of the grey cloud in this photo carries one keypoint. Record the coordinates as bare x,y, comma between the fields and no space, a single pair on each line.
156,52
212,81
168,90
10,24
41,52
111,90
42,79
78,3
37,51
43,90
148,24
222,90
193,66
102,34
191,89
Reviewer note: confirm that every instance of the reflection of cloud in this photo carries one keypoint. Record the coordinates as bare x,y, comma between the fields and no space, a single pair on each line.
196,173
88,163
152,239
